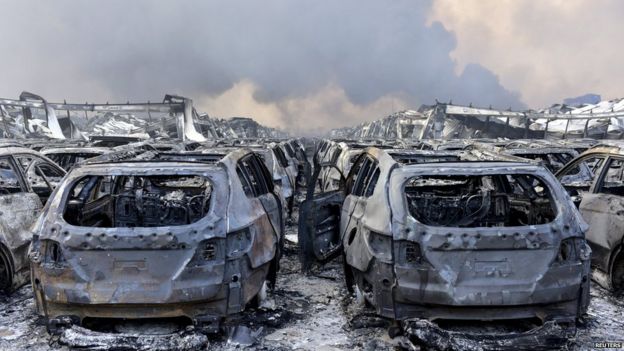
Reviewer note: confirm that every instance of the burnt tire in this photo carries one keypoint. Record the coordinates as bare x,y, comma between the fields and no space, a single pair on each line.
271,279
348,275
617,273
6,271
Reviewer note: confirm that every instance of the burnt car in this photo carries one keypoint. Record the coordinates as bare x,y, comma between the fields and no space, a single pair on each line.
595,180
67,157
448,240
26,181
151,235
284,183
549,155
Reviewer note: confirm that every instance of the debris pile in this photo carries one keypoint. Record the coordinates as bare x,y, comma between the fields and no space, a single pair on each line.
116,124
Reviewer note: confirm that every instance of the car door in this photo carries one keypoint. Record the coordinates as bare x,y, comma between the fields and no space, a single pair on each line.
319,217
578,176
19,208
357,191
258,185
271,198
603,209
41,174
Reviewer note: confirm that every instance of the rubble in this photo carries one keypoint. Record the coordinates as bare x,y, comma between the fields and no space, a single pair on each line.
78,337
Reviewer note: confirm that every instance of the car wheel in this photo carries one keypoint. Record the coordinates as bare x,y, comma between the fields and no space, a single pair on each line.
6,276
617,273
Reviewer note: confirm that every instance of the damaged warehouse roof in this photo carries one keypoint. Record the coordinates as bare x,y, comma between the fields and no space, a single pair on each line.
604,120
175,117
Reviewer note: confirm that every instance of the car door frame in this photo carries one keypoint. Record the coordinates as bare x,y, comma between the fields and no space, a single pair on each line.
312,215
605,246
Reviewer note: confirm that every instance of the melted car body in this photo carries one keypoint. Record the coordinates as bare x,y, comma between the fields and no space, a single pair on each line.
27,179
595,180
155,235
452,240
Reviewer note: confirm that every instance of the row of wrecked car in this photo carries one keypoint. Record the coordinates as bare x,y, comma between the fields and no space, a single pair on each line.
428,232
469,230
143,230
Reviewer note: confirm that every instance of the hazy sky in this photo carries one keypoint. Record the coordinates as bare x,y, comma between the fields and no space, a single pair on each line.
310,65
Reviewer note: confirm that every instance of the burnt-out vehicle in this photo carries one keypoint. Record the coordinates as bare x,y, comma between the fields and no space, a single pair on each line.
595,180
550,156
283,181
288,159
304,168
26,181
150,235
450,240
67,157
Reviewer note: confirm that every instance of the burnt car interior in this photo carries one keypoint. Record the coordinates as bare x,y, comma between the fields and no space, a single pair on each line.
469,201
613,180
138,201
579,177
9,178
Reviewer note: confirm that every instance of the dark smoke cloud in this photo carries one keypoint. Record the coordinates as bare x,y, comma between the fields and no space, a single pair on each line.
139,50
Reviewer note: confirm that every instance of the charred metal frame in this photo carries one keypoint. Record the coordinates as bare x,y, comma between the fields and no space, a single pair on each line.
435,121
18,211
179,107
113,272
376,231
605,216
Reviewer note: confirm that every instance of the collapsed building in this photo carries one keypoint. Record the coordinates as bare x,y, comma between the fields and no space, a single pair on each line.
603,120
174,117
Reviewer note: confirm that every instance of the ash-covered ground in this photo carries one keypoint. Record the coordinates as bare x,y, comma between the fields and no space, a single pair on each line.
304,313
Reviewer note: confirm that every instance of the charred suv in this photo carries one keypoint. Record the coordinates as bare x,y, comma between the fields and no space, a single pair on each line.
26,181
595,180
153,236
454,240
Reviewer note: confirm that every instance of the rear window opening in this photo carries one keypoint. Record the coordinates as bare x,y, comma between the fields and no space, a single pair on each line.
501,200
138,201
